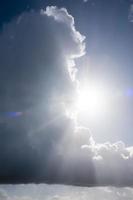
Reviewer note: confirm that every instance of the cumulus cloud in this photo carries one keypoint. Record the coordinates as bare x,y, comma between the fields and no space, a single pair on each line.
94,163
75,49
38,79
112,162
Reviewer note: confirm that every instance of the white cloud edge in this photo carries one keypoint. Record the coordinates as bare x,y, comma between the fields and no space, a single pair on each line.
61,15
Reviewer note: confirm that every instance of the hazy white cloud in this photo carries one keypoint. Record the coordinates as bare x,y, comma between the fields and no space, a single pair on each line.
3,195
58,192
22,198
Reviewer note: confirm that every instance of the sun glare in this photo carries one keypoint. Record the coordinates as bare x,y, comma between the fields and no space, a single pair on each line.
91,100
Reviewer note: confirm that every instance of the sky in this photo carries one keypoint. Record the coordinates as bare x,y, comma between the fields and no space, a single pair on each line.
66,92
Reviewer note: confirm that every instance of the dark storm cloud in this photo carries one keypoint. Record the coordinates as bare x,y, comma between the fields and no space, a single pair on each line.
38,80
37,77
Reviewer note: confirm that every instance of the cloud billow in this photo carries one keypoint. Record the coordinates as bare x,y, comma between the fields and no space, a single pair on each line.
37,79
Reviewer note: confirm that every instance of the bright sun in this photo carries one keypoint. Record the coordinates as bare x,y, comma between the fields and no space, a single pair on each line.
91,100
